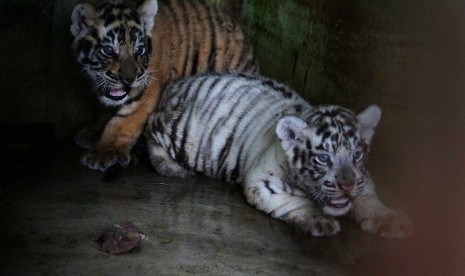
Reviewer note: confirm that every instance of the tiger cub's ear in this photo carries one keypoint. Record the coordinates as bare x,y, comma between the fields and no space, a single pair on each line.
368,119
289,130
82,17
147,10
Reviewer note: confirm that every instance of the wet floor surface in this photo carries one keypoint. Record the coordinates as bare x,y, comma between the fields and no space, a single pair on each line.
192,226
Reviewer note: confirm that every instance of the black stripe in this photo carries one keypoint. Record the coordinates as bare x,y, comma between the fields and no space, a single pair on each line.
247,76
182,149
224,153
158,125
226,58
188,37
320,147
180,27
212,86
286,92
243,56
216,99
267,185
135,98
111,35
148,43
326,134
173,136
235,173
218,125
296,153
122,35
195,63
285,187
198,8
320,176
322,129
211,12
303,157
134,33
308,144
251,66
223,174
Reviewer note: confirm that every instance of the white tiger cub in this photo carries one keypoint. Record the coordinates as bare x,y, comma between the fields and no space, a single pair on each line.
301,164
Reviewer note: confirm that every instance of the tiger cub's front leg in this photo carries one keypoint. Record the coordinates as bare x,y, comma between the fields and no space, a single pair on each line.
88,136
275,197
374,217
113,147
120,134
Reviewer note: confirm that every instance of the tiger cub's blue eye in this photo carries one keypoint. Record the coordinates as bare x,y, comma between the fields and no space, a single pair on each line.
140,50
108,50
357,155
323,159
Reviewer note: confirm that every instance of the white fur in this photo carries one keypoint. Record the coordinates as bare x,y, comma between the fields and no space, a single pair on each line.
147,10
368,120
266,128
288,129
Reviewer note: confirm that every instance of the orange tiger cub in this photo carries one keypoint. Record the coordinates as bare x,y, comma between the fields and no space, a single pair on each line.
130,52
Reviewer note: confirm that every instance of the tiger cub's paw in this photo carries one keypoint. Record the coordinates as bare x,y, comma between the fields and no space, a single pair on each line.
170,168
389,224
102,158
320,226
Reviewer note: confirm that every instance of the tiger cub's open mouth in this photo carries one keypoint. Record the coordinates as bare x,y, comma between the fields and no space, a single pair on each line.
339,202
116,94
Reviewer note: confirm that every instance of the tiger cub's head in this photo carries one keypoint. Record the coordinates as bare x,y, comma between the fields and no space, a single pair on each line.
327,152
112,45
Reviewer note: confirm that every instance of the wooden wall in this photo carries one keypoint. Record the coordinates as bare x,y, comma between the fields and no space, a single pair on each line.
331,51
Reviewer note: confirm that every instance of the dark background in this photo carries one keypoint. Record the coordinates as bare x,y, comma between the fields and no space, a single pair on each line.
406,56
344,52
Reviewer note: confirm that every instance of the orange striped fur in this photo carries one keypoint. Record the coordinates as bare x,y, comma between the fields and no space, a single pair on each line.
188,37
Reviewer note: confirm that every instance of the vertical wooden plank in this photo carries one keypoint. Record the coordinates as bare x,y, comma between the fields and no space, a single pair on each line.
346,49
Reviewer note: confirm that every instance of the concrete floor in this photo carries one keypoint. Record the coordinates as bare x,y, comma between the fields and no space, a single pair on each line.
194,226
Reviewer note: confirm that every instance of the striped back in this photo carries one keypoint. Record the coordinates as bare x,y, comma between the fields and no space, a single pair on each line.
206,40
218,123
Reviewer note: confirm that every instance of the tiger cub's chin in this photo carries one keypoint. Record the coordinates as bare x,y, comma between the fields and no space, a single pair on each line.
301,164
